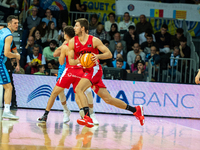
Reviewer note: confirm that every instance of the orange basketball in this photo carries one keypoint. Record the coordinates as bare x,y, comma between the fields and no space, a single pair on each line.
86,60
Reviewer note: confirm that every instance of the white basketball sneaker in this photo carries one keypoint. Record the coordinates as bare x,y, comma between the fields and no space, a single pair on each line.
66,115
94,119
9,115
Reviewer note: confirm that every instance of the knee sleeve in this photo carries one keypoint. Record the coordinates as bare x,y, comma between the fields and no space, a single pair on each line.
89,95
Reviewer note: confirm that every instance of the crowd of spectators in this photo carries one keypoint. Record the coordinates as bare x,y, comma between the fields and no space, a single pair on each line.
132,45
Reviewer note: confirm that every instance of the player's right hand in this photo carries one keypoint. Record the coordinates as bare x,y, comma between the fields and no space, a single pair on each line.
18,56
197,81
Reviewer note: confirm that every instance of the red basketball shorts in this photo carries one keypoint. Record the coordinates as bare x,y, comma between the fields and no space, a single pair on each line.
70,76
94,74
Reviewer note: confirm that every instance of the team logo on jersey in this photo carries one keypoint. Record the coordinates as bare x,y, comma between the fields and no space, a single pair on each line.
76,43
85,74
69,74
89,45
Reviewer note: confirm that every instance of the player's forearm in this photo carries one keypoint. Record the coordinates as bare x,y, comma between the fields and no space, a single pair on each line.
11,55
73,62
106,55
61,60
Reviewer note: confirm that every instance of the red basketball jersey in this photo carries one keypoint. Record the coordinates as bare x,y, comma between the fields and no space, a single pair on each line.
67,61
82,49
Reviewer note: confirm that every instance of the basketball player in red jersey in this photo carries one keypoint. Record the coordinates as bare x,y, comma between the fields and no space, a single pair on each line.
72,74
84,43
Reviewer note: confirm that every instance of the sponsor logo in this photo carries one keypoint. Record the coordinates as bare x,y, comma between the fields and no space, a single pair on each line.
69,74
131,7
89,45
85,74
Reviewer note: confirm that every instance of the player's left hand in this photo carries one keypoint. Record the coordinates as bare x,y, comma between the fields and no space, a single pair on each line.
17,68
197,81
94,58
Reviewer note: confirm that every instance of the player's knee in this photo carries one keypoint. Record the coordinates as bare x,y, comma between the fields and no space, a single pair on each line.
108,100
78,90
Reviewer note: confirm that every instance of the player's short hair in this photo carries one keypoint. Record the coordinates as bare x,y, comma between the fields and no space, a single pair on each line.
69,30
9,18
120,60
84,23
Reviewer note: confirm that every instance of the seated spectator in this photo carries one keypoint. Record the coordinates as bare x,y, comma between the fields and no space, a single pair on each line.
99,32
110,22
29,46
29,25
37,38
132,54
143,25
49,18
146,46
119,50
163,38
51,34
130,37
173,63
61,32
134,65
120,63
123,25
143,36
8,7
36,3
175,41
185,50
48,52
152,54
41,28
117,39
34,60
14,64
141,70
41,70
107,62
111,33
94,22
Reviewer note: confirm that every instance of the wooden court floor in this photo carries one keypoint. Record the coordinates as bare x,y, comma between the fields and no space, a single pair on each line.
115,132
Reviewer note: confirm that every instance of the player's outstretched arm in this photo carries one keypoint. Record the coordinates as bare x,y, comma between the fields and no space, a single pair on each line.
197,78
106,52
57,52
63,54
7,52
71,59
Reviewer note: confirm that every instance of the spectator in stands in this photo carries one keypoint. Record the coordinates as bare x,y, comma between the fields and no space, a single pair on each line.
120,63
130,37
141,69
49,18
134,65
41,28
163,38
111,33
155,57
185,50
107,62
99,32
117,39
110,22
51,34
30,24
37,38
175,41
61,32
146,46
41,70
119,50
93,22
143,25
34,60
173,63
132,54
29,46
14,64
48,52
143,36
8,7
36,3
75,6
123,25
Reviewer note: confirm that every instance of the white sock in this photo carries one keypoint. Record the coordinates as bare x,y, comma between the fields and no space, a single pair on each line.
91,110
82,114
6,107
65,107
